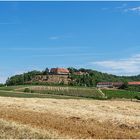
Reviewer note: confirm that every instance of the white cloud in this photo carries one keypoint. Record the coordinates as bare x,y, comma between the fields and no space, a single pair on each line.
54,37
124,8
69,54
128,66
47,48
133,9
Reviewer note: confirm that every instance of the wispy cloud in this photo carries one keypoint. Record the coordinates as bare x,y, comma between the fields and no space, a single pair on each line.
22,48
125,8
69,54
128,66
133,9
57,37
120,7
54,37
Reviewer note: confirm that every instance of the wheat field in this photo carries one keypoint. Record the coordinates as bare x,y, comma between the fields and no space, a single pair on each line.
68,118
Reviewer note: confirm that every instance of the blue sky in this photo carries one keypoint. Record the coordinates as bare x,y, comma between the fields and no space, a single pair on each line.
103,36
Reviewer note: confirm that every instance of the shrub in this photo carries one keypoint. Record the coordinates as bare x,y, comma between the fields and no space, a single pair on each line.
32,91
137,97
27,90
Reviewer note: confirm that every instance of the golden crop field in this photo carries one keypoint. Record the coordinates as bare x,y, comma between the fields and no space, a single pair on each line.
68,118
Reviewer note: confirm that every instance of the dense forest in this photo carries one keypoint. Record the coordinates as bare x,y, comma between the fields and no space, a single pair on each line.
91,78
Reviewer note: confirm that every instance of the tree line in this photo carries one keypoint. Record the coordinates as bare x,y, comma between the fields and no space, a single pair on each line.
89,79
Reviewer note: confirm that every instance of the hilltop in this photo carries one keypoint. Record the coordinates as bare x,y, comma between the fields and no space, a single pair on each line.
69,76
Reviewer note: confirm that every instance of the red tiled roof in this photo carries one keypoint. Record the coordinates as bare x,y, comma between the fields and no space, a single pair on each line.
62,70
134,83
59,70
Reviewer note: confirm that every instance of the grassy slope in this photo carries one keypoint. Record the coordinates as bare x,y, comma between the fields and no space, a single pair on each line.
71,93
51,92
33,95
120,94
93,93
10,88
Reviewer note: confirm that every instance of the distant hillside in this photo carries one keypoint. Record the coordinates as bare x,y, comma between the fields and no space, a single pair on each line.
87,77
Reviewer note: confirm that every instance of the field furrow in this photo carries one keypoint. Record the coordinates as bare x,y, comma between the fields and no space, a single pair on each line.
74,118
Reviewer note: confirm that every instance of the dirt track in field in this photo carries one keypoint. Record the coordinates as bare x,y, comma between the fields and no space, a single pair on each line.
75,118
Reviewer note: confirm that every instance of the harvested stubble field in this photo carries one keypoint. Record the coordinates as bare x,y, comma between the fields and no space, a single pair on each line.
71,118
